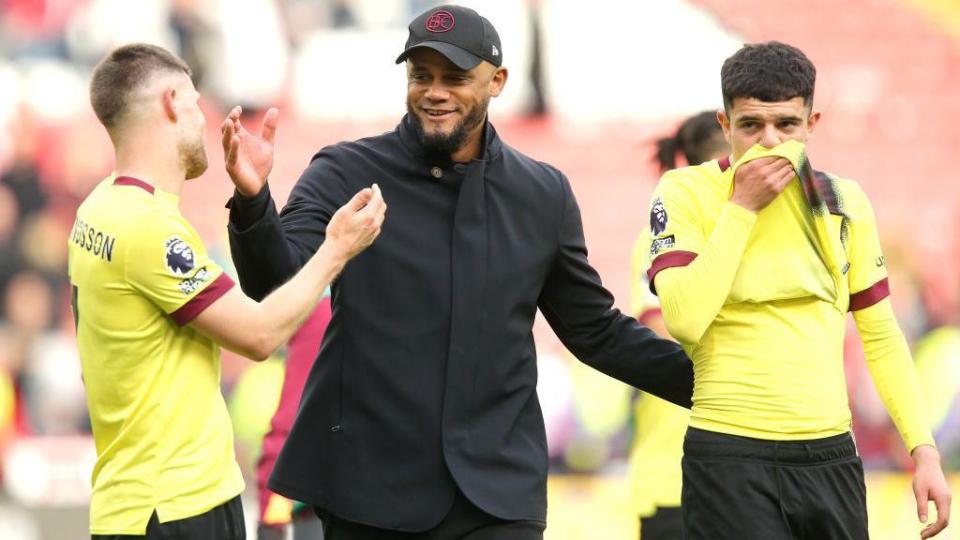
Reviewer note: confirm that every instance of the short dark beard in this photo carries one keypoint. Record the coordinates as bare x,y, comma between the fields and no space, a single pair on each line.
441,146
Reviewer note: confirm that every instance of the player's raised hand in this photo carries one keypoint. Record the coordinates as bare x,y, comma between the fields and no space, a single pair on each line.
357,224
929,485
759,181
248,157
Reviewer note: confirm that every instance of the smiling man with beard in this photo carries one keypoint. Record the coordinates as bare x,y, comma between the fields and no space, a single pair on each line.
420,414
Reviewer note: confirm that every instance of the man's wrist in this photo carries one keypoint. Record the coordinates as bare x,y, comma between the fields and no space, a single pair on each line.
743,205
336,257
925,453
246,211
249,196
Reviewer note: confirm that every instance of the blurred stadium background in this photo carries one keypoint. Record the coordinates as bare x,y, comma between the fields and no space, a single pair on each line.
592,85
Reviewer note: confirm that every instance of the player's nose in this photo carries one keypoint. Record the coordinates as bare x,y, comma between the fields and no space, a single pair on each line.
770,137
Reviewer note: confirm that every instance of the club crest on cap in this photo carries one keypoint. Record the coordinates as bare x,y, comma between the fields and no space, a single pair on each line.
440,21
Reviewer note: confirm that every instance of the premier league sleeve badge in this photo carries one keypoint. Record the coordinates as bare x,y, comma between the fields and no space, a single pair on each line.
658,217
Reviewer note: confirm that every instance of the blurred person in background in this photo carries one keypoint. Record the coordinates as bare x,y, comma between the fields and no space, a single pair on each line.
194,34
9,219
43,358
151,310
241,70
755,274
655,476
420,414
22,175
937,356
31,29
277,513
538,95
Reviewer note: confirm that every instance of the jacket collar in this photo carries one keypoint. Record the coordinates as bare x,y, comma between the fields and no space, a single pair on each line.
492,146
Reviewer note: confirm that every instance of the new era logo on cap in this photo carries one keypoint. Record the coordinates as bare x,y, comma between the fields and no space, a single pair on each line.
459,33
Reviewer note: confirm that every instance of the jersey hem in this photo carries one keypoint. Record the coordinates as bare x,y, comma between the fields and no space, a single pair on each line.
727,429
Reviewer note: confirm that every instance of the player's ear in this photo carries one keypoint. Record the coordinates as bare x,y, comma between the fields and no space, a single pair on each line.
169,100
724,122
812,121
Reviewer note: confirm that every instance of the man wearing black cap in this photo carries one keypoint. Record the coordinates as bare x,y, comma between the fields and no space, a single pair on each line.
420,414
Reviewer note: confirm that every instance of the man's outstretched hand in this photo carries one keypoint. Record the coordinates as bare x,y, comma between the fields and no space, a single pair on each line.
248,157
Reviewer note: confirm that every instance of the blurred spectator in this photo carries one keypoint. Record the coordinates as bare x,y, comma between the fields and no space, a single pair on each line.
193,34
341,14
35,28
101,25
938,369
42,359
9,218
41,246
538,101
22,176
249,54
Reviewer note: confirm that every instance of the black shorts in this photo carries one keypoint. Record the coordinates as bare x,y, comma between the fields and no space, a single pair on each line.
665,524
740,488
225,522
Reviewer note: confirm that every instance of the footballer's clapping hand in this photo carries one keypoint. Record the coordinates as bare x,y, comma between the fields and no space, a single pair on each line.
356,224
248,157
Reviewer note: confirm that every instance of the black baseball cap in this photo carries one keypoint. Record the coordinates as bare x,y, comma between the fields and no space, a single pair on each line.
458,33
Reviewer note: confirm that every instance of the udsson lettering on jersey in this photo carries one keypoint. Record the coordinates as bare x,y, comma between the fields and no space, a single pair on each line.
96,242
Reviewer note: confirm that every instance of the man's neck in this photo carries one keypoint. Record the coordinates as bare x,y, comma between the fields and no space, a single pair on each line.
152,165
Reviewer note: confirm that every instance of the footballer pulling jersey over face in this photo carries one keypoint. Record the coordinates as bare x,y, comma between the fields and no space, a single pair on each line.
139,274
769,360
757,259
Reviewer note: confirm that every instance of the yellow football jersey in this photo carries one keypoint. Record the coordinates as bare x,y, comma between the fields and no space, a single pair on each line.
769,365
139,275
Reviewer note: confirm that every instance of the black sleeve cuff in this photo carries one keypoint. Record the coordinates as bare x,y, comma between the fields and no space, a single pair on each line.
247,211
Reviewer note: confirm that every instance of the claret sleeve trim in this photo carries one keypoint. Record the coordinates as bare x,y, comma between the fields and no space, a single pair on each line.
870,296
671,259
